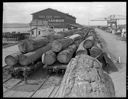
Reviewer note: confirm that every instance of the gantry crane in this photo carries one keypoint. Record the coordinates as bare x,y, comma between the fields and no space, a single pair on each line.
111,20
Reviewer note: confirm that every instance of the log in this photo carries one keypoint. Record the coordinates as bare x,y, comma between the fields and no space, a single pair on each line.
76,37
67,33
108,64
77,42
32,44
81,49
31,57
86,31
95,51
12,59
84,77
89,42
60,44
65,55
81,33
53,37
49,57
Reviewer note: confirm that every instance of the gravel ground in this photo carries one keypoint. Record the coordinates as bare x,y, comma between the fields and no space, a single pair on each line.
116,48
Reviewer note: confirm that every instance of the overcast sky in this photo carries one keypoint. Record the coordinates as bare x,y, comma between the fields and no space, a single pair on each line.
83,11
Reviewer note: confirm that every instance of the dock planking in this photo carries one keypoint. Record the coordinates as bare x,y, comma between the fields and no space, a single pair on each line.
39,84
57,85
26,90
54,91
11,83
6,75
48,87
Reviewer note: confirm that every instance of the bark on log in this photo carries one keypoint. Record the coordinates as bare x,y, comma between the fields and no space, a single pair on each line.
49,57
60,44
77,42
67,33
81,49
86,31
107,63
89,42
84,77
81,33
13,59
53,37
31,57
32,44
76,37
66,55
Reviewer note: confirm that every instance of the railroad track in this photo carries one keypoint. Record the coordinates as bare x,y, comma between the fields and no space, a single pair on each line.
40,84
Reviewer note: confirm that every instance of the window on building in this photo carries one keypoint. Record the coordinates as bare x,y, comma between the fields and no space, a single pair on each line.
32,32
39,32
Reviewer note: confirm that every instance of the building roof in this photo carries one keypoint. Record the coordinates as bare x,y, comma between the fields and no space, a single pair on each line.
76,25
55,11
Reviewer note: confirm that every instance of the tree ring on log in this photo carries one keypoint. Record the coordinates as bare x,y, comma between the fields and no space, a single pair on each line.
88,44
56,46
10,60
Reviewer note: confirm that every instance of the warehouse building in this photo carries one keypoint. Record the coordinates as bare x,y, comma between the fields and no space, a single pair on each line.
45,21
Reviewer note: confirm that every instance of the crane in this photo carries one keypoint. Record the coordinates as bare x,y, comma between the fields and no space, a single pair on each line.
111,20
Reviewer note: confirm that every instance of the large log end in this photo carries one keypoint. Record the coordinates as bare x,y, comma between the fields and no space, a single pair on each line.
49,57
10,61
56,46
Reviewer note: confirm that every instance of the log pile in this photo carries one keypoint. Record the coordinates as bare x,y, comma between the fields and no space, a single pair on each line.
85,75
32,50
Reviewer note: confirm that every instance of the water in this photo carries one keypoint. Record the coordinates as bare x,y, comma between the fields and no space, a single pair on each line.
21,29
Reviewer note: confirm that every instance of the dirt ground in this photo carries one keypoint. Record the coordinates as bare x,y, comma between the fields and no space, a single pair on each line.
116,48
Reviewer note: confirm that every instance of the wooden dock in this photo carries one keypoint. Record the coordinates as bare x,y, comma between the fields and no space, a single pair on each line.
40,84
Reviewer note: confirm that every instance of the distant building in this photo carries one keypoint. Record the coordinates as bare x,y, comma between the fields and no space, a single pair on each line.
50,18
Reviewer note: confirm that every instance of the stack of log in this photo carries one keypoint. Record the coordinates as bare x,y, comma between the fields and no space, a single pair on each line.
60,47
62,50
85,76
31,50
79,50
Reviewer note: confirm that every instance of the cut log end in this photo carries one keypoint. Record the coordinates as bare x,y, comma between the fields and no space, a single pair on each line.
49,57
56,46
9,60
88,44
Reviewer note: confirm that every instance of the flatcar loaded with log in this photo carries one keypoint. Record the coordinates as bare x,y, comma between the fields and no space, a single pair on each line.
78,53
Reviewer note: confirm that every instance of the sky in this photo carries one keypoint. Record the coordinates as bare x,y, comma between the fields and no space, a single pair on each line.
20,12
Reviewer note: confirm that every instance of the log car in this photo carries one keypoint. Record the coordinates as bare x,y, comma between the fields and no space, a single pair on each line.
18,71
56,68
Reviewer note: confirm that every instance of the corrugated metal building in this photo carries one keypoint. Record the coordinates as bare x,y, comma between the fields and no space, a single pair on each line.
51,18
